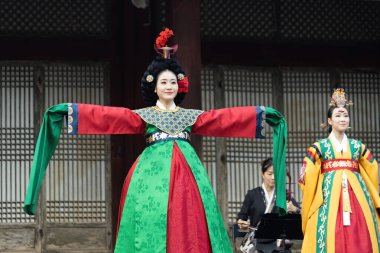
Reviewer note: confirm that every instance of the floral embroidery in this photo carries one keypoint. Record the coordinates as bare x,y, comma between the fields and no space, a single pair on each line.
158,136
328,153
323,211
337,164
357,146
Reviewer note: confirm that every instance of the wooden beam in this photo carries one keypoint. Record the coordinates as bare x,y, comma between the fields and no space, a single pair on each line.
290,54
55,49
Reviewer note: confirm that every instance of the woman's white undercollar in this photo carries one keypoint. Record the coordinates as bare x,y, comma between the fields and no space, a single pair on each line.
161,106
340,146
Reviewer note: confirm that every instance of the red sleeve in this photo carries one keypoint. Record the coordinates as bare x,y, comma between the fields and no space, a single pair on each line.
96,119
231,122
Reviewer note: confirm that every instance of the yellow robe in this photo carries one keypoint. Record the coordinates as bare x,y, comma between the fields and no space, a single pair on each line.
319,209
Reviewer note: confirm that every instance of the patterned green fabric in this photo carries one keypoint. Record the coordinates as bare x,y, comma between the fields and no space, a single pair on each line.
356,148
327,153
324,211
146,203
327,149
219,239
143,224
171,122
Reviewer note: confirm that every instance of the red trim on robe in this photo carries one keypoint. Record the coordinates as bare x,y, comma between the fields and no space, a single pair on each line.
312,154
227,122
353,238
124,194
369,157
187,229
97,119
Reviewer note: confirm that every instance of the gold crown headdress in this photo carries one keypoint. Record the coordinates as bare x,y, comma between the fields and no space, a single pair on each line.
339,99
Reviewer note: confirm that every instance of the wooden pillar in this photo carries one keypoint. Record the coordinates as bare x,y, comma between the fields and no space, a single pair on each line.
184,18
221,150
132,51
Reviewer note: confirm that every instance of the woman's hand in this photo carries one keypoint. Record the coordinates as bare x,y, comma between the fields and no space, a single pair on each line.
291,208
243,224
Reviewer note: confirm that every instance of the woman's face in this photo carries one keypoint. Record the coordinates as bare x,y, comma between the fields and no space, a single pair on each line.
268,177
339,120
166,87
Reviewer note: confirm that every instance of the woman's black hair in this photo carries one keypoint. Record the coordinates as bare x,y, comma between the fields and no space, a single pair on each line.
154,69
266,164
329,115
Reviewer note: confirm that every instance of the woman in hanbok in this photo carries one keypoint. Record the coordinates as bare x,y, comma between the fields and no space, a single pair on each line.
167,202
339,180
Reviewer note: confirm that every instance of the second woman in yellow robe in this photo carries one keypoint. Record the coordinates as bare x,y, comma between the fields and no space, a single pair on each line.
341,204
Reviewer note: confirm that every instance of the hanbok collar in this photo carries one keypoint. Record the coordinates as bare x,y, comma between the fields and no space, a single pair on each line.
169,121
340,146
162,107
269,199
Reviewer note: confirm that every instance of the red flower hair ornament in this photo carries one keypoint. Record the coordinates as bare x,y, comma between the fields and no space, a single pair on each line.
165,51
160,46
163,37
183,84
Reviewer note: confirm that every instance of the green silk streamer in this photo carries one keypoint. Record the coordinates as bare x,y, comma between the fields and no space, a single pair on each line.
46,144
280,132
